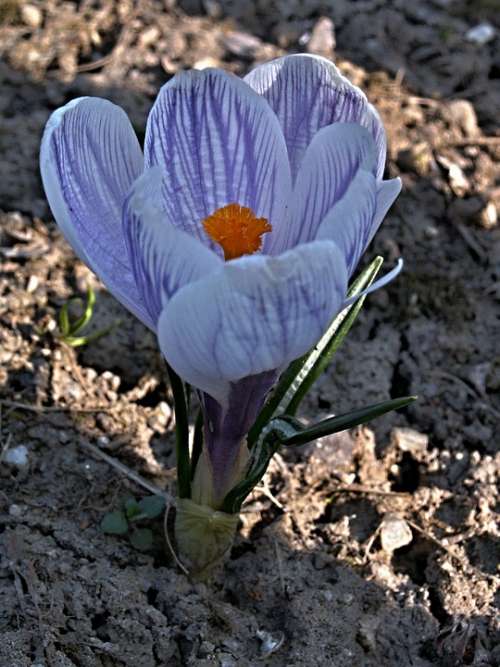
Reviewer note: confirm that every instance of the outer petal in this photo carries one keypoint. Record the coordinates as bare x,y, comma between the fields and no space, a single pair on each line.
349,223
308,92
330,164
257,314
387,192
227,428
163,258
89,158
220,144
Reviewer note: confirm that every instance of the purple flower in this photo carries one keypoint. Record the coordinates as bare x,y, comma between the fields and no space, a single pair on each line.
279,174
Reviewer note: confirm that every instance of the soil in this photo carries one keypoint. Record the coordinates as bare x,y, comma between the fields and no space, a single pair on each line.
373,547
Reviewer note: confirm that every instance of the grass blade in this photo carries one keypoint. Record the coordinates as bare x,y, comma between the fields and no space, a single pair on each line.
181,435
347,420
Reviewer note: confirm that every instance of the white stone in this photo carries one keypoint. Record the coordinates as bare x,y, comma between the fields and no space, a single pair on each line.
481,34
31,16
395,533
17,456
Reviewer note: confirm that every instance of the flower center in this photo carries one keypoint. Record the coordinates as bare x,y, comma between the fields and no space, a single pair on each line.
236,229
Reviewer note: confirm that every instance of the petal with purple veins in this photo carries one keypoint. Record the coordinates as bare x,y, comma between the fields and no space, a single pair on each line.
220,143
387,192
163,257
335,156
256,314
307,93
349,222
226,428
89,158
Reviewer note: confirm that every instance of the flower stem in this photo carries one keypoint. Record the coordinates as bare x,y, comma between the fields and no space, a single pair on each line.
181,435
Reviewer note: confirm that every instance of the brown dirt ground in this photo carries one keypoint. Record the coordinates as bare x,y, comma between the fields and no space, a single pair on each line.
311,564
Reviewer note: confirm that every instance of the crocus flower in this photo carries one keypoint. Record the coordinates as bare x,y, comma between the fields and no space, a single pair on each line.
234,236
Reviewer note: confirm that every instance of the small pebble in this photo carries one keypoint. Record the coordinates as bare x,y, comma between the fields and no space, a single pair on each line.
489,216
409,440
33,283
322,40
103,441
463,114
17,456
15,510
206,62
459,184
270,643
395,533
481,34
242,44
31,16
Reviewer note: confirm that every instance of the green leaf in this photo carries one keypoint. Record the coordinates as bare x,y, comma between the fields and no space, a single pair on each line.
151,507
320,357
70,328
114,523
64,325
197,442
181,435
286,430
131,508
261,455
303,372
345,421
78,341
87,312
142,539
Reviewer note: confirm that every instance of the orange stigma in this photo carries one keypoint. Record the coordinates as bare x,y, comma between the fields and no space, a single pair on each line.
236,229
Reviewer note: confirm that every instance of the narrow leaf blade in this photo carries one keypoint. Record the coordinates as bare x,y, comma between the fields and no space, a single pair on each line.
197,442
347,420
320,357
181,434
87,312
261,455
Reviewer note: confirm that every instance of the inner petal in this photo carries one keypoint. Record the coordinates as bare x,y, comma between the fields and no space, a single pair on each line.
237,230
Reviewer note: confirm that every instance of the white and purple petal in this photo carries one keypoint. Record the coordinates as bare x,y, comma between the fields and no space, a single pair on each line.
220,143
353,221
226,428
89,158
163,258
307,93
254,315
331,163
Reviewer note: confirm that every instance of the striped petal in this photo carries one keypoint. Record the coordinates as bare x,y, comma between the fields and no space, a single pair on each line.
330,165
220,144
349,222
89,158
354,220
163,257
255,315
227,427
307,93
